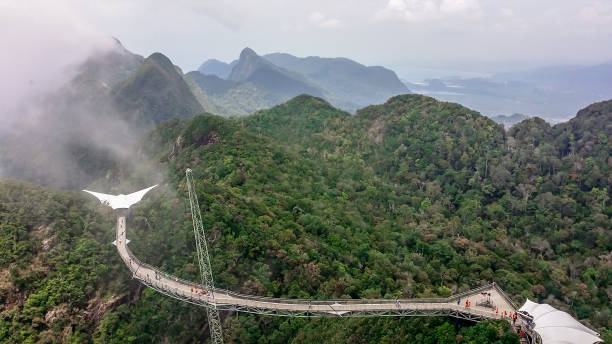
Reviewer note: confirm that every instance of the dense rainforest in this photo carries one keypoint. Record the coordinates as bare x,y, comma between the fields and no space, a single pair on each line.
411,198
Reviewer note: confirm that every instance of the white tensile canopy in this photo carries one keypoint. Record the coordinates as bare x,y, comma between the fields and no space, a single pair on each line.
557,327
121,201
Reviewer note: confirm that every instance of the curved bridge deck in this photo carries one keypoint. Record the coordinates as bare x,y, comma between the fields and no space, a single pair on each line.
484,300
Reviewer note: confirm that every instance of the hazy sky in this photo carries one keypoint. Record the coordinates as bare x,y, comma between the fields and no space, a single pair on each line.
453,35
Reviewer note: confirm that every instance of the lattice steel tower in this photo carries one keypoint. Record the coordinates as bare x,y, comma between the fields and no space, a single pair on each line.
214,322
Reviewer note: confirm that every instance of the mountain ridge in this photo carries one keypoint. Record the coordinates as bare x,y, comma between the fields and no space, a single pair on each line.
156,92
341,81
344,77
217,68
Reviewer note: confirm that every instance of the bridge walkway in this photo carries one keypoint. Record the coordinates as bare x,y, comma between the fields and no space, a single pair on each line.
484,300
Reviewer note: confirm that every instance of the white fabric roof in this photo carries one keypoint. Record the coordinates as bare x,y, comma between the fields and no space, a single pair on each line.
121,201
557,327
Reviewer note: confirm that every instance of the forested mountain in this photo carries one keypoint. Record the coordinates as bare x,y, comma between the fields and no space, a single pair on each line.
411,198
211,84
350,84
253,84
257,82
155,92
251,68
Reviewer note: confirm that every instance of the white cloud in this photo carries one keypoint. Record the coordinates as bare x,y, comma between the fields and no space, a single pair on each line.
427,10
459,6
321,20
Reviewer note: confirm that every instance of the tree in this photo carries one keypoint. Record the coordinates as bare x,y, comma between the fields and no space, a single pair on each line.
526,190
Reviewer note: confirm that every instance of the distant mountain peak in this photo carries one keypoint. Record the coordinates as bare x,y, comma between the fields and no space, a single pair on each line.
156,92
247,64
247,52
211,61
274,78
161,58
217,68
117,42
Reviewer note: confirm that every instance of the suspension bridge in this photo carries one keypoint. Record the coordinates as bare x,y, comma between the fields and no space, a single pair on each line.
486,302
482,306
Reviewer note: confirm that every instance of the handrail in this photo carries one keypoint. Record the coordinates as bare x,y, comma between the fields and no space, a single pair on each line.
269,299
504,295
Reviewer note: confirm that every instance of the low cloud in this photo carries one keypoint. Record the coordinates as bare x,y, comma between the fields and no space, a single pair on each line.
56,129
40,42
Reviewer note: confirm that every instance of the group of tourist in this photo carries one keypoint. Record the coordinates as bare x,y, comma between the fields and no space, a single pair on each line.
468,303
511,315
201,292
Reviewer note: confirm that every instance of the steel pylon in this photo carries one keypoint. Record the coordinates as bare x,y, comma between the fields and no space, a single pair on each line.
214,322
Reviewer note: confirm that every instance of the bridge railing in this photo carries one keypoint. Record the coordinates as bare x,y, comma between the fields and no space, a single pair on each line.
160,272
266,307
504,295
328,301
281,304
269,299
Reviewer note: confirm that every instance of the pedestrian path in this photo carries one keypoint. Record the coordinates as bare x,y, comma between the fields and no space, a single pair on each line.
486,302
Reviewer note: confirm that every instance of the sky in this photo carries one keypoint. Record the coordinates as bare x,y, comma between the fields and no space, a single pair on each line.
412,37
